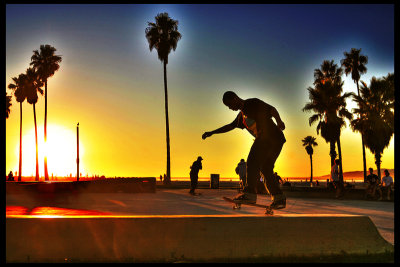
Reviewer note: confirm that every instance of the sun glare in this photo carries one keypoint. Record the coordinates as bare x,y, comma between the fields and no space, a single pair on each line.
61,150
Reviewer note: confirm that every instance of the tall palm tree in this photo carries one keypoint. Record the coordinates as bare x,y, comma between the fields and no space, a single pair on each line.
46,63
309,142
8,105
354,63
329,107
163,35
328,71
33,84
376,115
18,87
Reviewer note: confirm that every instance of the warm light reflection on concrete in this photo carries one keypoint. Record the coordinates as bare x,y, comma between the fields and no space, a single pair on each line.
49,212
56,212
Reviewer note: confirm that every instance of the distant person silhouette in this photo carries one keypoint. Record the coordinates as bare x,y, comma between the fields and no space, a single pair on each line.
256,116
278,178
386,186
194,174
241,170
10,176
372,181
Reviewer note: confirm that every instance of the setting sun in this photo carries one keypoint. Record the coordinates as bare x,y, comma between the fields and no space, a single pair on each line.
60,149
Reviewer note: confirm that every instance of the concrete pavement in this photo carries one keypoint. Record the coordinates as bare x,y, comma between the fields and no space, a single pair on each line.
175,202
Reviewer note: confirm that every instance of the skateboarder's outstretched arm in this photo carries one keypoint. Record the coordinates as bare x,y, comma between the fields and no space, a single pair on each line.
278,120
223,129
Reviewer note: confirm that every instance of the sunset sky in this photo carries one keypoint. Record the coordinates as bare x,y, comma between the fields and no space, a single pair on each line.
112,84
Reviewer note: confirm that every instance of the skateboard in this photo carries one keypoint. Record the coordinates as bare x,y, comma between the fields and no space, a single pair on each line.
268,209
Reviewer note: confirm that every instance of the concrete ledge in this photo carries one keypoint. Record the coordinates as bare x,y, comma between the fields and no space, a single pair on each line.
125,185
188,238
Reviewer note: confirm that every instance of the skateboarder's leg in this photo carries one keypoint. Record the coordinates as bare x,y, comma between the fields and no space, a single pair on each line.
253,173
253,169
267,169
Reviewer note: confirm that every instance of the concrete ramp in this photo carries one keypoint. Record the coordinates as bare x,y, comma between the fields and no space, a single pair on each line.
188,238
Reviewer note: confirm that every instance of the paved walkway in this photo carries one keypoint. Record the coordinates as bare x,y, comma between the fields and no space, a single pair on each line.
210,202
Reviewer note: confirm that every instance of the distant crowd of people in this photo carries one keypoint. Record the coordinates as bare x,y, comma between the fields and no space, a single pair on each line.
376,188
381,187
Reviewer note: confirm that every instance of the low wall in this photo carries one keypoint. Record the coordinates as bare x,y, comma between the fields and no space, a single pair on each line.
125,185
290,191
188,238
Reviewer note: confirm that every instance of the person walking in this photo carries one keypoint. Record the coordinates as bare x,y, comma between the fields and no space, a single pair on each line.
241,170
256,116
194,174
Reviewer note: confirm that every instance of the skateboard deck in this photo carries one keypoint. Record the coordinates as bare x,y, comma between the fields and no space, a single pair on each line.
196,194
268,209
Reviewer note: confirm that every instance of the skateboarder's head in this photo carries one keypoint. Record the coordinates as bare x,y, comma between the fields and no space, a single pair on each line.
371,170
231,100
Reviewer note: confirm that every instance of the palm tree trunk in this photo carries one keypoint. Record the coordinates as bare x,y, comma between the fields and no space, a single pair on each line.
364,158
332,152
46,174
340,160
363,146
37,157
311,168
167,124
378,164
20,142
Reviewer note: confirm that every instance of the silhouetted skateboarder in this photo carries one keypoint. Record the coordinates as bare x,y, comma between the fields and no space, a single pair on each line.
194,174
256,116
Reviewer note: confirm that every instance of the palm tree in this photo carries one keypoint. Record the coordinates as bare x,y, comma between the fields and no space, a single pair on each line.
18,87
354,63
33,84
330,111
163,35
309,142
46,63
376,115
8,105
328,71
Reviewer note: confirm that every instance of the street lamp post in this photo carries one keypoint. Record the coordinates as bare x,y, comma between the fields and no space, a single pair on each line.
77,152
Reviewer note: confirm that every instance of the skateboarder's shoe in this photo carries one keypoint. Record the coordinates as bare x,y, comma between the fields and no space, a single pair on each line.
278,202
245,198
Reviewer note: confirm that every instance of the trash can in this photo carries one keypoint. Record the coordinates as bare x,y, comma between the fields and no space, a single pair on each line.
214,182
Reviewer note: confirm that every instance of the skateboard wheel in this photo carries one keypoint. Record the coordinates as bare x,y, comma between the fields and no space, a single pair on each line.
269,212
